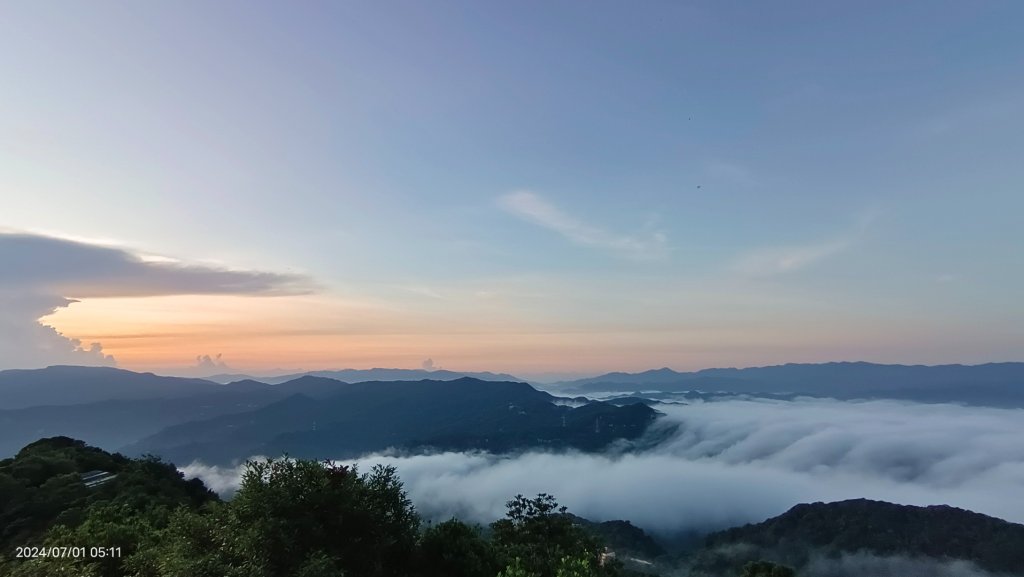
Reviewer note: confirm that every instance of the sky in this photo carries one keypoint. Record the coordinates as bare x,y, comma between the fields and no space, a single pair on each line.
541,188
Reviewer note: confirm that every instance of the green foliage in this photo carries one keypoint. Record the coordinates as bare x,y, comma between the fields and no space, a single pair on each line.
295,517
42,487
455,549
576,567
292,509
195,543
515,569
290,518
538,534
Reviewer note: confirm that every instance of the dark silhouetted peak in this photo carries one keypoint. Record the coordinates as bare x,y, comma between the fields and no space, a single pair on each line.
70,385
885,529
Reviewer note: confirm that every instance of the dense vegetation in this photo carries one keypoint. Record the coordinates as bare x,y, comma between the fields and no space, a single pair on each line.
289,518
42,487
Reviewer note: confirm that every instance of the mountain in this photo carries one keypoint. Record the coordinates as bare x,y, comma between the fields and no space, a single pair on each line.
309,415
145,410
69,385
861,526
113,424
354,419
996,384
622,537
365,375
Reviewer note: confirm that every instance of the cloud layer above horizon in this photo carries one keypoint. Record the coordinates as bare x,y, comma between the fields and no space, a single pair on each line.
40,274
737,461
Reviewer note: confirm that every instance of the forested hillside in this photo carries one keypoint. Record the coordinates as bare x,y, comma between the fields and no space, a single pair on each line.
289,518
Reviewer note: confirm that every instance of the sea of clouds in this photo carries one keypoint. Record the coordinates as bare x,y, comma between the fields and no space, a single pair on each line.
722,463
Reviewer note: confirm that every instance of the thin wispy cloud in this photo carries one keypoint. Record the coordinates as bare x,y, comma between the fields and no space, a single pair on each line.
770,261
783,259
533,208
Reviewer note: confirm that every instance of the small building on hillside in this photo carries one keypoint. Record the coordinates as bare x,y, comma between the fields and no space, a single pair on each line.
96,478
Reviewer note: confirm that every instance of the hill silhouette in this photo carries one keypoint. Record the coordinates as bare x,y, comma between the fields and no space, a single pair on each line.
72,385
348,420
872,527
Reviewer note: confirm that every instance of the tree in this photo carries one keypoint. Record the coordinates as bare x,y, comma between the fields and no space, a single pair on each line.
455,549
538,534
298,517
515,569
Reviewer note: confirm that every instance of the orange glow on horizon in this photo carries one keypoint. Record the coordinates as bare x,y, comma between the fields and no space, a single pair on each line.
321,332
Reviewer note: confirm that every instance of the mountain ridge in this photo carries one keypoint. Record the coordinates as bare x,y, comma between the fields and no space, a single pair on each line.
72,385
873,527
462,414
990,384
366,375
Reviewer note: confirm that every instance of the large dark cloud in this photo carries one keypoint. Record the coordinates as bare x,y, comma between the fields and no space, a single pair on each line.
40,274
739,461
72,269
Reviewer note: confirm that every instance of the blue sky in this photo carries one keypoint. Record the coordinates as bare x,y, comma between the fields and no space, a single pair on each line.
579,186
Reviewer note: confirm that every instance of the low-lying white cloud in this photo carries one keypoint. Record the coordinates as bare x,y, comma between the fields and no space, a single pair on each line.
861,564
736,461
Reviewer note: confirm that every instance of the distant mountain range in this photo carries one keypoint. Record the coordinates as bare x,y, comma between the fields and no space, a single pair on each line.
363,375
317,415
69,385
73,385
347,420
994,384
309,416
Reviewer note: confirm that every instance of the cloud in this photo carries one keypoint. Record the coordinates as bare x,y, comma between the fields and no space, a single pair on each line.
75,269
428,365
205,362
535,209
222,480
777,260
860,564
26,343
730,462
785,259
40,274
